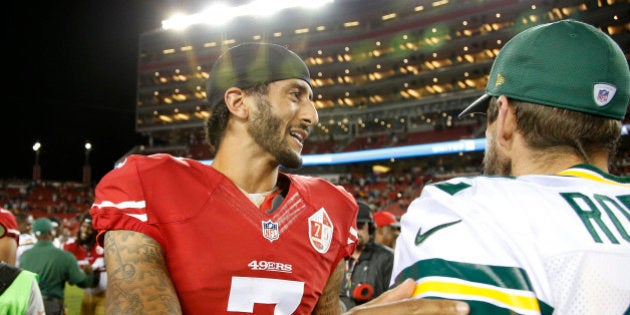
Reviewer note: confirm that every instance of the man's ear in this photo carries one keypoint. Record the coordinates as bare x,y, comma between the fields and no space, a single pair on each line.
506,122
234,99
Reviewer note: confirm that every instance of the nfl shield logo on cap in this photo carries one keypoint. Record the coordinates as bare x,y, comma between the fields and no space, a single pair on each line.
603,93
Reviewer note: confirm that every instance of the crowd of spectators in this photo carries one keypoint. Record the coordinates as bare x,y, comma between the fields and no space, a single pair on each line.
65,201
391,191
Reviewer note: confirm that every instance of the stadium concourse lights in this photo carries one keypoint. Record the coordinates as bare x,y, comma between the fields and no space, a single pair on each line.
220,13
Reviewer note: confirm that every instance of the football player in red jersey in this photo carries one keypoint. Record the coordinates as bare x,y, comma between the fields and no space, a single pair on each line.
86,251
239,236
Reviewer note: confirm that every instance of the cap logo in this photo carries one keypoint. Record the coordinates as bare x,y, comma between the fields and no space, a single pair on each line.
500,80
603,93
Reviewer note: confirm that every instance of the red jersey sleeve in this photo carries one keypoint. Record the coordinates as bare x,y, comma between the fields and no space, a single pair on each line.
146,191
119,201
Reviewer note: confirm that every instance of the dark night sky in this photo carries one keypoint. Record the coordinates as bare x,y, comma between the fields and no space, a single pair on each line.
70,76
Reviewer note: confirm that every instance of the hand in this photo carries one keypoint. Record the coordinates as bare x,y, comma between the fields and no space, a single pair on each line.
87,268
398,301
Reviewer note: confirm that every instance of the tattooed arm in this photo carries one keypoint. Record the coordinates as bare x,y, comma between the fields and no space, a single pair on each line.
138,282
328,303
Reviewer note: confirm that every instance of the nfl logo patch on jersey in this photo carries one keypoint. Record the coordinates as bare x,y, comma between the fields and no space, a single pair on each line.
320,231
270,230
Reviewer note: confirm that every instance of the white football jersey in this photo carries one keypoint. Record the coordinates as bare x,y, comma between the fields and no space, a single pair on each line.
535,244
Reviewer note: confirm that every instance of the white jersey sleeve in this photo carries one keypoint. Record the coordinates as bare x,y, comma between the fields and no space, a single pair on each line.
537,244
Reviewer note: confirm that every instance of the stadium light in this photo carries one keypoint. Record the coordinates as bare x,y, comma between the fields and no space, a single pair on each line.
87,169
37,146
37,170
88,148
220,13
217,14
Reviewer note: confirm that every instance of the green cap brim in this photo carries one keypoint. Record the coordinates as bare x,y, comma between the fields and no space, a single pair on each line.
479,106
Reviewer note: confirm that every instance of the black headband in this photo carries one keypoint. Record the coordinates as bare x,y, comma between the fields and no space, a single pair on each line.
251,64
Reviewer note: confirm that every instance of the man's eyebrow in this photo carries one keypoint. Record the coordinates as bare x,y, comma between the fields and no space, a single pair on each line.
303,87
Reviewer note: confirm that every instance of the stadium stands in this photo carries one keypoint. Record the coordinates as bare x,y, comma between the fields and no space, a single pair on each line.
385,74
379,69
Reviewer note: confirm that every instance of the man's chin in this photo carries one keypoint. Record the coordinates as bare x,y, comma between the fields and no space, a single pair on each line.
292,165
291,160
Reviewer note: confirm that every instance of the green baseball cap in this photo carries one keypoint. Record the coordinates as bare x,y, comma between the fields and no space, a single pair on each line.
565,64
42,226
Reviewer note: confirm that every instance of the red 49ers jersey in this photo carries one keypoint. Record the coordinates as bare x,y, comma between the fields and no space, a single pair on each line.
94,257
82,254
224,254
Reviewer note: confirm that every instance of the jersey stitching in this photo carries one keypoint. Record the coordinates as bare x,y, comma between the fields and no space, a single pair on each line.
590,176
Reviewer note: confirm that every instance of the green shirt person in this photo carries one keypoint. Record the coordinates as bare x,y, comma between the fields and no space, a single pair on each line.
55,267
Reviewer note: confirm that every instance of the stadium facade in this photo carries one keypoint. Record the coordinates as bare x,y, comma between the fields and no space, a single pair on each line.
384,72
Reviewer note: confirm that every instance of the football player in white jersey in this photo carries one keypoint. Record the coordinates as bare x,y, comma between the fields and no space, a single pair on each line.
546,229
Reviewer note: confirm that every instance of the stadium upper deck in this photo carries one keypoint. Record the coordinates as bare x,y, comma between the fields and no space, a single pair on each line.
377,66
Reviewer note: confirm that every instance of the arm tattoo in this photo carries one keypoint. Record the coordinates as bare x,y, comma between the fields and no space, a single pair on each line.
138,281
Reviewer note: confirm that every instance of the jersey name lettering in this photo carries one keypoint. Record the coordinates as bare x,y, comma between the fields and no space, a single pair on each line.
595,209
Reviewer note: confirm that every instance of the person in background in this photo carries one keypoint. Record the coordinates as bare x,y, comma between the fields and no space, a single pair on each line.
86,251
58,231
387,228
55,267
9,236
238,235
546,228
369,269
19,290
27,239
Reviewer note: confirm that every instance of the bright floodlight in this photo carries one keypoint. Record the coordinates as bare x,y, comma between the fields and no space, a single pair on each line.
220,13
88,146
216,14
176,22
37,146
262,8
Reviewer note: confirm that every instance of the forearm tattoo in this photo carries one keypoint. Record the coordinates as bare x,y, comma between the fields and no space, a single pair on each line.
138,282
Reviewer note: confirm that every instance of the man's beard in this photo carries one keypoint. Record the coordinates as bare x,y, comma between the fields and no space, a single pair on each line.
86,240
362,242
266,131
493,164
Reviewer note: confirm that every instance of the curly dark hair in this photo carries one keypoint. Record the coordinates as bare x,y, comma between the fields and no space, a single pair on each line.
90,240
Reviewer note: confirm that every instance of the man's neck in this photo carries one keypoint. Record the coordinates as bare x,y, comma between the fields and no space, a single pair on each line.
529,162
251,171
